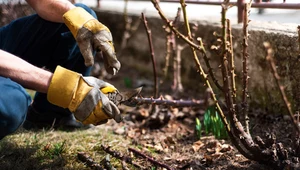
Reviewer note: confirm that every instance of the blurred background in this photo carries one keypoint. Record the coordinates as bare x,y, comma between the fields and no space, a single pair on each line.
280,11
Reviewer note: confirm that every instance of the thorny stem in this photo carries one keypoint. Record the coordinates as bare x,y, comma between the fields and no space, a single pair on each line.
231,60
224,62
173,103
245,106
202,73
186,22
253,150
191,43
280,87
227,126
148,31
204,76
237,127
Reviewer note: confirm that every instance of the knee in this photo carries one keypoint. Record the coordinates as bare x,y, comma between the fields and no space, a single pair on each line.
88,9
13,106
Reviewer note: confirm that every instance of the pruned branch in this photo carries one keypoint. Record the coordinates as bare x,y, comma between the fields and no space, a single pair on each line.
150,159
120,156
84,157
173,103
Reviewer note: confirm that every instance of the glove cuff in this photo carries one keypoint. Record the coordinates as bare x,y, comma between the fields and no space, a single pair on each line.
62,87
76,18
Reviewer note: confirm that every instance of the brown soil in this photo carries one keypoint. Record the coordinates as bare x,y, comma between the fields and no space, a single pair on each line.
168,134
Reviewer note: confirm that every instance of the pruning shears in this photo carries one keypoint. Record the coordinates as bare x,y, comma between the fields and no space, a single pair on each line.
124,97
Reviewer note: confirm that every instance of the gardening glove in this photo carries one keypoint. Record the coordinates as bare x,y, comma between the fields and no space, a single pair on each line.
83,96
92,36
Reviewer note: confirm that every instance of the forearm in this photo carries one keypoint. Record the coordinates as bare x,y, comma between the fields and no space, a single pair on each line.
51,10
24,73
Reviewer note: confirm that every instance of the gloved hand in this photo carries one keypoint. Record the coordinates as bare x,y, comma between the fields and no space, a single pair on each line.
92,36
83,96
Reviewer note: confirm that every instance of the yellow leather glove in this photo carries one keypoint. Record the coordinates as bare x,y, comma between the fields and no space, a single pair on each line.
92,36
83,96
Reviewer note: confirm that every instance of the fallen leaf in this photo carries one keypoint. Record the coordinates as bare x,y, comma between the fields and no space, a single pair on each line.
143,112
167,158
197,145
158,147
169,140
226,148
120,130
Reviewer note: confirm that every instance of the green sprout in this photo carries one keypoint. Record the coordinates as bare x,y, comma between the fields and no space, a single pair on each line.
198,128
213,123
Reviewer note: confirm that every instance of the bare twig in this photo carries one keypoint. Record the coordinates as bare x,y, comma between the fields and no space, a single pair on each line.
130,27
84,157
171,41
199,47
128,22
152,54
177,84
298,29
174,51
155,162
280,87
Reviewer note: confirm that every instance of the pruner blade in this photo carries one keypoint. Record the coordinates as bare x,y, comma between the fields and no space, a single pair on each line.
125,97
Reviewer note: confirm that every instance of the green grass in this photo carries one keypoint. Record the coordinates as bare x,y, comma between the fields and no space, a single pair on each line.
57,149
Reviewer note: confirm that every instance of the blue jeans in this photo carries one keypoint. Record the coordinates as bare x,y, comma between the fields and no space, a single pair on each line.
43,44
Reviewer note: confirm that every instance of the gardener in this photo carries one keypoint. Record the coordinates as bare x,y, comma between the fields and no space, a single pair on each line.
62,38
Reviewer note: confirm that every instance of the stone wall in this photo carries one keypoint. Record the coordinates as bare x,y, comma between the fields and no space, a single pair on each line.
263,90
